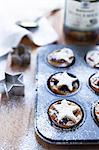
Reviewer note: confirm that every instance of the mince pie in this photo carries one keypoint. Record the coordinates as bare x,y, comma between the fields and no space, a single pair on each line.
92,58
96,112
63,83
94,82
61,58
65,114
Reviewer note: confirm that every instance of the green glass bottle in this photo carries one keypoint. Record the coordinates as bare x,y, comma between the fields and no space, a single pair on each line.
81,21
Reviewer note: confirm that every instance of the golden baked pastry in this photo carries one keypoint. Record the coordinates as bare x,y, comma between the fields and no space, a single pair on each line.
63,83
92,58
94,82
65,114
61,58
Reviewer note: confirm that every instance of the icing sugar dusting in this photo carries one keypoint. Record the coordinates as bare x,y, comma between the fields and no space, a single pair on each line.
93,58
65,54
66,110
65,79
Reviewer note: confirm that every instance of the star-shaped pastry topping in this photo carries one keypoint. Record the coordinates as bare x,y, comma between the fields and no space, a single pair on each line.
65,54
14,84
94,57
65,109
65,79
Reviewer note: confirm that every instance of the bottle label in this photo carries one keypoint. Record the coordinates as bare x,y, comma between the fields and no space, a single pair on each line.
82,15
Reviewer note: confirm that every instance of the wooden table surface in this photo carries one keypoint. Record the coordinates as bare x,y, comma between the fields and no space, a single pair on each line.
17,117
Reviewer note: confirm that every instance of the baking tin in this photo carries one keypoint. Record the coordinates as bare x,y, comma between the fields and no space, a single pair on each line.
88,131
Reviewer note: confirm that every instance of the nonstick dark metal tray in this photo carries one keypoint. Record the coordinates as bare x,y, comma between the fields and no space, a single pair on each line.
88,131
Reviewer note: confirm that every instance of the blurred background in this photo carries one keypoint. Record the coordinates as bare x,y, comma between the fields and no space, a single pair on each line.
11,10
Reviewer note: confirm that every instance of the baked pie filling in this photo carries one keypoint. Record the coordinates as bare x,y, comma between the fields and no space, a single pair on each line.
94,82
65,114
92,58
61,58
63,83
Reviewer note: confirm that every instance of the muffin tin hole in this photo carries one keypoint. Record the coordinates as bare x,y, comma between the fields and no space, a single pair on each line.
66,114
61,58
63,84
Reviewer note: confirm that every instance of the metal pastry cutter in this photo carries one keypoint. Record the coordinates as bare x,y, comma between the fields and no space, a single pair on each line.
12,85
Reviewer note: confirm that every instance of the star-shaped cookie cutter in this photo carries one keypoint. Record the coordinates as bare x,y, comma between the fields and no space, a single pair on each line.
12,85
